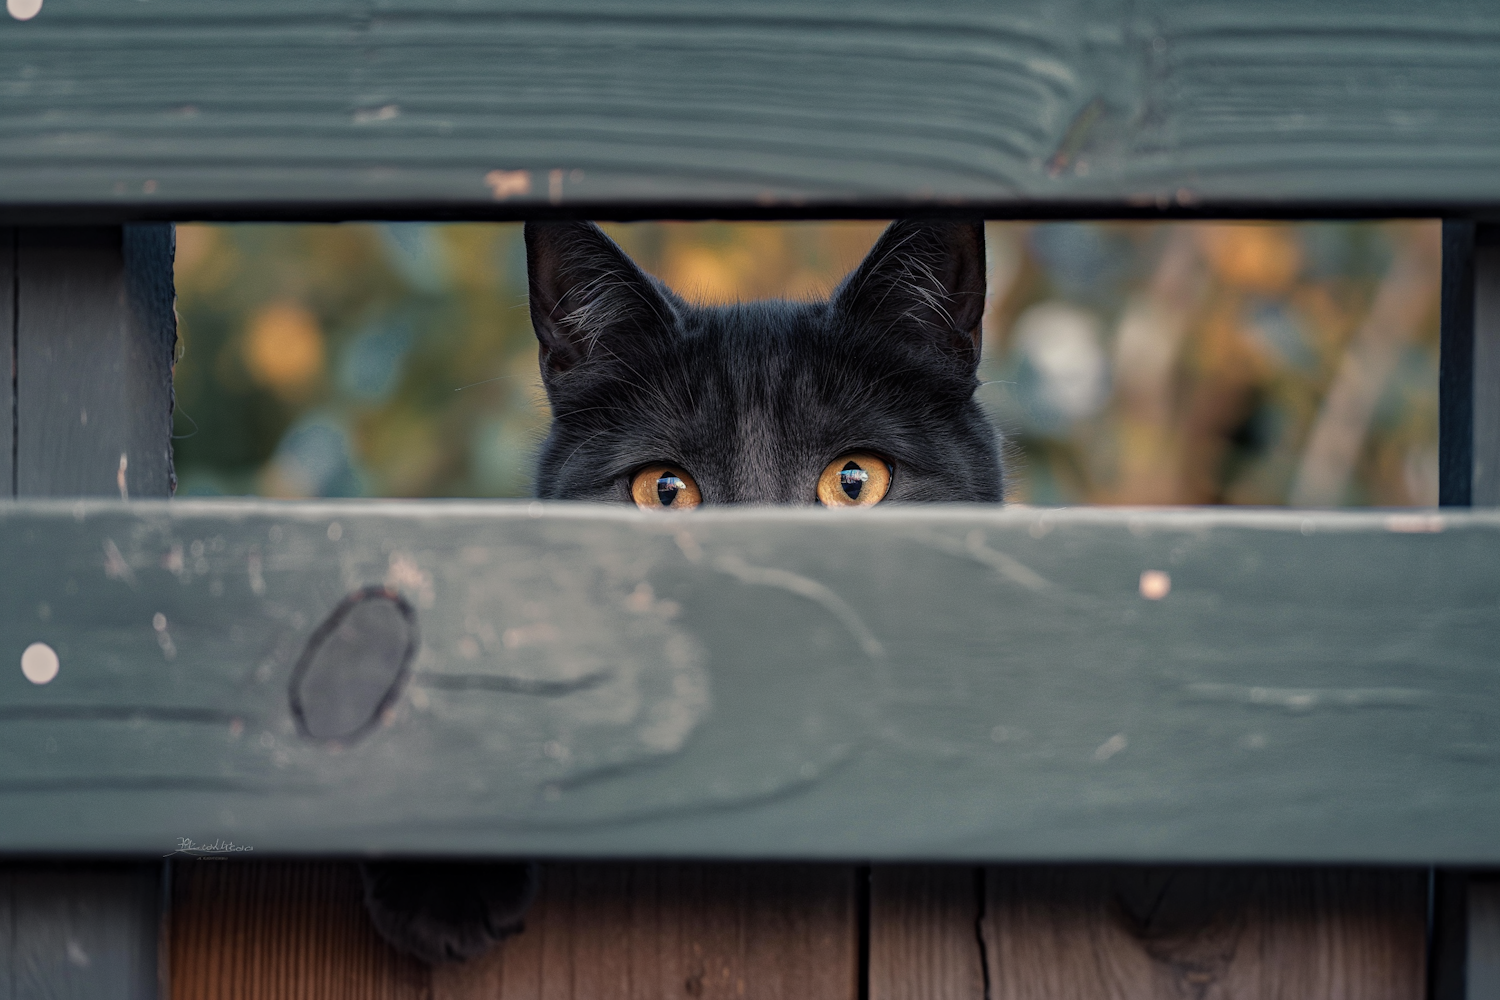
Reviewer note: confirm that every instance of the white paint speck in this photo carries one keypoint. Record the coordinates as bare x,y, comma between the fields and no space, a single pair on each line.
159,622
534,510
1110,747
23,10
39,663
1155,584
335,531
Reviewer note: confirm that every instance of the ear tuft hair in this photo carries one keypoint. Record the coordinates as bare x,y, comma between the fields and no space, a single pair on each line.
584,290
923,280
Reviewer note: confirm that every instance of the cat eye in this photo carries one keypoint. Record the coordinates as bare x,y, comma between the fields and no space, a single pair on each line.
857,479
664,487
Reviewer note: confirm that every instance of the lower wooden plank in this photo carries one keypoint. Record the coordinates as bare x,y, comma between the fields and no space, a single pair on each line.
298,931
642,932
78,932
1205,933
280,931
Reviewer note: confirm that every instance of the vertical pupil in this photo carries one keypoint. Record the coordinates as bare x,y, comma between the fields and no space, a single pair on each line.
852,478
667,487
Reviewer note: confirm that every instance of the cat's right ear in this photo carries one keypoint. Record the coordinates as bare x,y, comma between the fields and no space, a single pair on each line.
586,294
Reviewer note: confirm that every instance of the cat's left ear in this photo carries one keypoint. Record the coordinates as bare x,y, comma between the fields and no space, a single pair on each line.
923,279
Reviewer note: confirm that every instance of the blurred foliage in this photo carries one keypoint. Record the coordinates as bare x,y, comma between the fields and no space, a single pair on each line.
1126,363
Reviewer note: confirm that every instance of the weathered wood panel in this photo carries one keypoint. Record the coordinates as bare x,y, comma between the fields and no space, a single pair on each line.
925,926
298,931
324,108
1147,934
78,932
280,931
8,364
95,335
645,931
1469,435
959,683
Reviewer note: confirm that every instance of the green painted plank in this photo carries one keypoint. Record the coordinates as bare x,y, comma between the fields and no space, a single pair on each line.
335,108
975,683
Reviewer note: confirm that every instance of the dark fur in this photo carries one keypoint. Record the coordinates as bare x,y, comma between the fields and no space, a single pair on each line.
753,401
447,911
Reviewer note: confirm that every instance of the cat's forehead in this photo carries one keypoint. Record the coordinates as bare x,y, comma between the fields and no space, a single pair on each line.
767,324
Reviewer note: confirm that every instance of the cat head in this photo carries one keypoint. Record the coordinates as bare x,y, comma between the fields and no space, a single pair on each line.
865,397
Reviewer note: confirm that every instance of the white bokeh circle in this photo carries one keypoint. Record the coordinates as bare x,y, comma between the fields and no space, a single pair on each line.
39,661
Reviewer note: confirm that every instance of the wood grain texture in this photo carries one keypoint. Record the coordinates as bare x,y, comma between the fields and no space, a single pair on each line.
924,933
78,932
327,108
1205,933
1486,376
601,682
7,360
1456,366
649,931
94,352
280,931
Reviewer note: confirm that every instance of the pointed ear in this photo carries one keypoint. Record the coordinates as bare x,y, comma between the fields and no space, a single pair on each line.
922,280
584,290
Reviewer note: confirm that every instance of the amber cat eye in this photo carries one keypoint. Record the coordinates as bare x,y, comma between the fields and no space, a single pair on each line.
857,479
664,487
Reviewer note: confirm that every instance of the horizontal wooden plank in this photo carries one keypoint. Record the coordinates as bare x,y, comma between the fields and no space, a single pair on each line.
1001,684
502,108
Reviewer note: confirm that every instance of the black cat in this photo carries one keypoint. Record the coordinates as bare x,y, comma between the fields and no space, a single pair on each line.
863,398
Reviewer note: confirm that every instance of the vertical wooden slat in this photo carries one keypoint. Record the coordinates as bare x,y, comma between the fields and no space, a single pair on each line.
924,933
1482,965
94,352
79,931
1486,375
1205,933
1469,379
86,327
1447,934
1456,368
8,366
281,931
706,932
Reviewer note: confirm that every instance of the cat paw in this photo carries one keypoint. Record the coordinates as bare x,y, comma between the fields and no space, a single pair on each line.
447,911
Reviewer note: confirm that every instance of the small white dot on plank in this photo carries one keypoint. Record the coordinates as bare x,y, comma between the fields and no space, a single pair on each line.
39,663
23,10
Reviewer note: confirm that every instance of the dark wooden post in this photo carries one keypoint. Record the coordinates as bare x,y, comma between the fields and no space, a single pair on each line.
1462,948
1469,434
86,411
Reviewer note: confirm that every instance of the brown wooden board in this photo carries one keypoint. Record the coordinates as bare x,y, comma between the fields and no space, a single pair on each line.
280,931
1040,933
924,684
298,931
925,927
503,108
1197,933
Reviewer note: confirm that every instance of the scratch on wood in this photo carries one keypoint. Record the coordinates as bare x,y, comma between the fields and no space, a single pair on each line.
1307,699
812,590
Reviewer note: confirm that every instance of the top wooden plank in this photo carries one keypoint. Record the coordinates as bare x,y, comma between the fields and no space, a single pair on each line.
508,108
